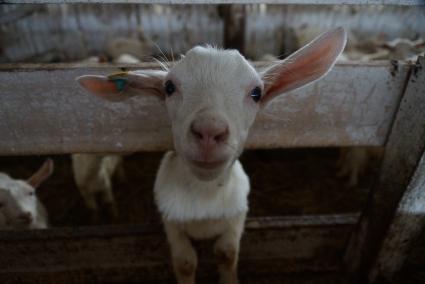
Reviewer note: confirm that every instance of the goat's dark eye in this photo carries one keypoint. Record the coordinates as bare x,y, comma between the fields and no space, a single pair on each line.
256,94
170,88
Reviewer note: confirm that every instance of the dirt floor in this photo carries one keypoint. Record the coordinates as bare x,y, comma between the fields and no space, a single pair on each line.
284,182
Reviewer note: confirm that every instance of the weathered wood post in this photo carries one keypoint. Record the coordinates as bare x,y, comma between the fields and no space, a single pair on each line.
234,17
388,224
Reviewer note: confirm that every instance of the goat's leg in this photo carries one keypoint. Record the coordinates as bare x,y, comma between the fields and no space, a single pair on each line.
354,176
120,172
91,203
226,250
183,254
344,169
109,203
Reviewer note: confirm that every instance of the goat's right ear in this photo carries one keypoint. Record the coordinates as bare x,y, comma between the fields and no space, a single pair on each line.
305,66
123,85
41,174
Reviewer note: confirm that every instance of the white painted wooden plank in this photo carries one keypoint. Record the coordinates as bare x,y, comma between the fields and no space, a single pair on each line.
43,110
301,2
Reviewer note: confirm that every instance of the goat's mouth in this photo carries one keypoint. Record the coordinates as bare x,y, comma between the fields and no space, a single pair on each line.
208,165
23,220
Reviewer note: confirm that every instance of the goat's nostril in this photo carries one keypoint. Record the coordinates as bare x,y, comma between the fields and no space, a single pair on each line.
195,132
218,138
209,133
222,136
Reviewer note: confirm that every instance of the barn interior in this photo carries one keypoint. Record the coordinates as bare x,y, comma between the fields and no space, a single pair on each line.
328,174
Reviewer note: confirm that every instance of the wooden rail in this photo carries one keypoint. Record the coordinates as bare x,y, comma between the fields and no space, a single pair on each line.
300,2
131,253
43,111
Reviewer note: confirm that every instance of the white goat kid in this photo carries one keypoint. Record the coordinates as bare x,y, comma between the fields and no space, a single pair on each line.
212,97
19,205
93,176
93,172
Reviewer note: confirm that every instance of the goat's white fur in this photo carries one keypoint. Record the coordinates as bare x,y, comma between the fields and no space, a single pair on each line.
16,200
201,191
93,176
181,196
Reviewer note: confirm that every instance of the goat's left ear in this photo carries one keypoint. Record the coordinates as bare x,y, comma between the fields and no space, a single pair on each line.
42,174
306,65
123,85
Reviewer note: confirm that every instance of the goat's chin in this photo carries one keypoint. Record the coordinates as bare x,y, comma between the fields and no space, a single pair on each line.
207,167
208,174
208,170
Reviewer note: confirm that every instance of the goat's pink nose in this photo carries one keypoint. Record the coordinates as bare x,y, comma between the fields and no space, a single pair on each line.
210,134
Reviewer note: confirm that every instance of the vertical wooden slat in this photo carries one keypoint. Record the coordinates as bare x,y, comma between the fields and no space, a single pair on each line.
403,150
405,228
234,26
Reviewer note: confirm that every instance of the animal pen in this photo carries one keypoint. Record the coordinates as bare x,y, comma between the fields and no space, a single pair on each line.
376,103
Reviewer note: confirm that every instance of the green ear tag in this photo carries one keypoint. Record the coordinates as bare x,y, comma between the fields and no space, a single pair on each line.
120,83
118,79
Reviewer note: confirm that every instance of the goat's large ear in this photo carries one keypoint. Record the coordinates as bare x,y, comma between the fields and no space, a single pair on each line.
121,86
43,173
306,65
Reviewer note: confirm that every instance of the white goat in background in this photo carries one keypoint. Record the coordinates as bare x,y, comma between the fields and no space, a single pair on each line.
93,176
93,172
19,205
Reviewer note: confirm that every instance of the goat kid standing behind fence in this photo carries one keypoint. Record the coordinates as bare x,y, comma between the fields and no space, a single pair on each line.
212,97
20,207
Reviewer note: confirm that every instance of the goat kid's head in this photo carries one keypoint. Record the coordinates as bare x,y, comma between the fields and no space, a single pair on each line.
212,96
18,200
